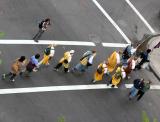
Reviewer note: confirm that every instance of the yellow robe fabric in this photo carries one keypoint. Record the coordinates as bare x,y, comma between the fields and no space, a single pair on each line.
65,57
116,81
97,76
45,59
112,62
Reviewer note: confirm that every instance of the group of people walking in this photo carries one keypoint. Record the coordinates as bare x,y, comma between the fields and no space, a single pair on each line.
117,66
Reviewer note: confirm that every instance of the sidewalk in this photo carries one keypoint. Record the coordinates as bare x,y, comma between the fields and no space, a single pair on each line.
155,56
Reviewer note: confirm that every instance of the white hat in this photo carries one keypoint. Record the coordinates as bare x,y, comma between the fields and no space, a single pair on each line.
71,51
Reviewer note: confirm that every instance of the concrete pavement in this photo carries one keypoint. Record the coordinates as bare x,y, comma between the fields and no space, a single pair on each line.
155,56
73,20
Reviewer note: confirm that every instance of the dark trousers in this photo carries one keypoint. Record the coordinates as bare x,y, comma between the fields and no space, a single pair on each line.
140,94
138,66
59,65
38,35
11,75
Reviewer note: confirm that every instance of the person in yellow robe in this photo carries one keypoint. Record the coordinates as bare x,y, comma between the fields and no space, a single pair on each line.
118,76
48,54
101,70
65,60
113,61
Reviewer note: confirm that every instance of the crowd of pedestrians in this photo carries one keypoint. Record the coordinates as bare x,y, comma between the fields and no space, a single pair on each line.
117,66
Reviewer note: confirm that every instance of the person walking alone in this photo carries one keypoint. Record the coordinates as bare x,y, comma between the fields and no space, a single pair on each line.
43,25
15,69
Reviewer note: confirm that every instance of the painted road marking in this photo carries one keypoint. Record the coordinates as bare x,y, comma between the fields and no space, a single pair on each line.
47,42
64,88
114,45
112,21
140,16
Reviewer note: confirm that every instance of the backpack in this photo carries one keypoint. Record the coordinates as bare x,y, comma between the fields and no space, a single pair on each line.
41,24
47,51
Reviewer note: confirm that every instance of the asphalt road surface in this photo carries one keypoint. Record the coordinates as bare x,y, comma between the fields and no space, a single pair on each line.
74,20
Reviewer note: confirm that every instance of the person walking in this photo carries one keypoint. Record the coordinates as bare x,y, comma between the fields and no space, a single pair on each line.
43,25
138,84
118,76
100,72
65,60
33,65
142,91
16,69
144,58
48,55
85,62
113,61
131,63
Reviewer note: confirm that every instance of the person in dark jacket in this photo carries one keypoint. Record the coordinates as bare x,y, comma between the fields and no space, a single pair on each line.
142,91
138,84
144,58
43,25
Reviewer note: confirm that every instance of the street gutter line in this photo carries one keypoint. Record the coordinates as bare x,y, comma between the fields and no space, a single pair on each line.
140,16
112,21
64,88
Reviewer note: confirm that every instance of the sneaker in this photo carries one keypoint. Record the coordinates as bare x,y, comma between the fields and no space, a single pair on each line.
36,41
3,76
94,81
55,69
12,80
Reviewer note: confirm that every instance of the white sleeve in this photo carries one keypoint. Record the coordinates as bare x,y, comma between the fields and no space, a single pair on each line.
91,59
118,58
69,58
123,75
133,64
105,70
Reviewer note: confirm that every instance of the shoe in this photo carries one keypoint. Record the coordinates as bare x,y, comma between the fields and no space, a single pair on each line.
94,81
112,86
12,80
4,76
36,41
55,69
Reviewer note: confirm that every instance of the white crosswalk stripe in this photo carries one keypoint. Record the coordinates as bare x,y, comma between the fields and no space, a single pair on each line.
64,88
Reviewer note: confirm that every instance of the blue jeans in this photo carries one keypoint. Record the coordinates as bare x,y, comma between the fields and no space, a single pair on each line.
133,92
79,67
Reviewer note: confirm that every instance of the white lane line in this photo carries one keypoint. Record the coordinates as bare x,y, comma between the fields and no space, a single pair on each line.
114,45
63,88
112,21
46,42
140,16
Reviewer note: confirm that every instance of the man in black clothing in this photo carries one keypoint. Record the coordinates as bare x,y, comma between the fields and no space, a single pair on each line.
43,25
144,57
